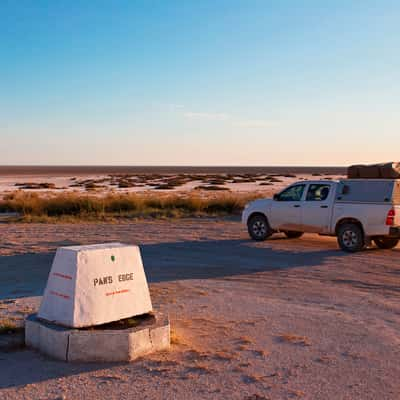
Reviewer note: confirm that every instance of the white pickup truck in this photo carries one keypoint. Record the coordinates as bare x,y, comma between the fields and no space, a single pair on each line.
357,211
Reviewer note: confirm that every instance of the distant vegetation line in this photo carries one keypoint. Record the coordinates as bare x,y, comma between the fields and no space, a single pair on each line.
70,206
15,170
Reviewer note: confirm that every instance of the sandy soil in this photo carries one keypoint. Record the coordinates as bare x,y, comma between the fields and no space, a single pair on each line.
282,319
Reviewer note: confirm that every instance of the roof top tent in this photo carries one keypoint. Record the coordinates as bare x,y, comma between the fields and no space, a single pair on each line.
374,171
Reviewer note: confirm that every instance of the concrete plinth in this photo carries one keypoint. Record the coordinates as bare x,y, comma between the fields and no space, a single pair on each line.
102,345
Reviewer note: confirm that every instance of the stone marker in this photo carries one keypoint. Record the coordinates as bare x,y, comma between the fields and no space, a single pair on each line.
94,285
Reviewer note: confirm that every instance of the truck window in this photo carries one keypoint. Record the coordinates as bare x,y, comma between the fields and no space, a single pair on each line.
318,192
293,193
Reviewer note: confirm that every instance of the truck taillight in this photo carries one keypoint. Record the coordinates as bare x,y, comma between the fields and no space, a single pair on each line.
390,217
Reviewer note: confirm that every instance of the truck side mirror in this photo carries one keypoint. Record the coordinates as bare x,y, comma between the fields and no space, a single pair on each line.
345,189
276,197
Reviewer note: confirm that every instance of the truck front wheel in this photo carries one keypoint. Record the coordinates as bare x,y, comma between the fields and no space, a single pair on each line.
351,237
386,243
258,227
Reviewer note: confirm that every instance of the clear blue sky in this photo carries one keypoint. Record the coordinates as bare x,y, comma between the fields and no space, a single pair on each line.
219,82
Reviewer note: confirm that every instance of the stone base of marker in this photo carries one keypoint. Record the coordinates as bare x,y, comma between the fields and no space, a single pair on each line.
101,345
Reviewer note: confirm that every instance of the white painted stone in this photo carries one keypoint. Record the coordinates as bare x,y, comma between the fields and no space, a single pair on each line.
32,333
160,337
96,284
53,341
98,345
139,343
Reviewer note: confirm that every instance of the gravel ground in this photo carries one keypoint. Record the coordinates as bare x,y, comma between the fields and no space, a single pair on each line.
281,319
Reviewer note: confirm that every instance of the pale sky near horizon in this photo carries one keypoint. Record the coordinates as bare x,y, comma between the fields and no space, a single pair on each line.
221,82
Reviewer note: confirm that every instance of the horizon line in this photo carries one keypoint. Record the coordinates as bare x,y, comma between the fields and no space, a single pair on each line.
176,165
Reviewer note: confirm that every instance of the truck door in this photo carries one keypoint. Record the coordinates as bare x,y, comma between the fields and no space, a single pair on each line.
286,208
317,208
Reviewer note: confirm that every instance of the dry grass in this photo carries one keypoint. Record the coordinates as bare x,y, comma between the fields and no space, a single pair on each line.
194,355
257,397
223,355
202,368
41,208
174,338
245,340
326,359
295,339
8,326
252,378
261,353
200,292
296,393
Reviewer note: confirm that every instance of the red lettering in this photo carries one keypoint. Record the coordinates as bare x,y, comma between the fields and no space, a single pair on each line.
64,296
62,275
117,292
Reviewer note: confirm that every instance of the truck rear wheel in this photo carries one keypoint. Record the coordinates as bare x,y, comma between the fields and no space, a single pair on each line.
258,227
386,243
293,234
350,237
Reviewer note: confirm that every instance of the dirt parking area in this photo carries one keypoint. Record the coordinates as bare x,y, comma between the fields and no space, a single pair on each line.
281,319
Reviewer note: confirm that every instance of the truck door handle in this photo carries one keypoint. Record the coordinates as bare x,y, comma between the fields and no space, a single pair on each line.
296,205
324,206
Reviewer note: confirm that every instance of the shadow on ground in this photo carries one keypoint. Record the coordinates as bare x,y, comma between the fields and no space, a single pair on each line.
219,258
27,367
26,274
